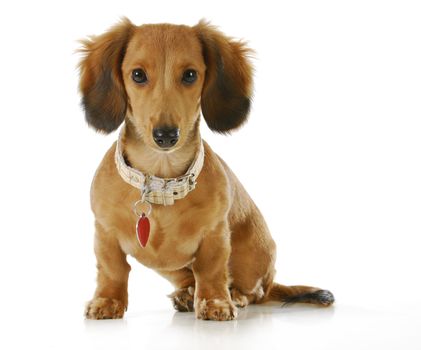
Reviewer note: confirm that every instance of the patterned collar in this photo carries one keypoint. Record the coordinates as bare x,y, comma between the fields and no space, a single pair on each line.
156,190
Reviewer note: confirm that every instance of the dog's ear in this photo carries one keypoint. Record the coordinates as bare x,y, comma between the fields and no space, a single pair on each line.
227,91
104,98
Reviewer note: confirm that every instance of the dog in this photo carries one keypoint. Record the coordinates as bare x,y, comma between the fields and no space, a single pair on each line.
160,193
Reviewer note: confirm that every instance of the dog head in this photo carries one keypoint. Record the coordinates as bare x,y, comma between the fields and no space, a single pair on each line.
159,77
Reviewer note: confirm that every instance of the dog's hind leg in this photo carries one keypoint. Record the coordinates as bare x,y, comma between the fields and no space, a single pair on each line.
183,299
183,280
241,299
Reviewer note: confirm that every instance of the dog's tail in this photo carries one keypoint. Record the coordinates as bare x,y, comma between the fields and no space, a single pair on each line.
299,294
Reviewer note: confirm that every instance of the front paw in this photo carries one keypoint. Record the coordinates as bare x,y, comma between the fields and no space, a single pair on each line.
104,308
215,309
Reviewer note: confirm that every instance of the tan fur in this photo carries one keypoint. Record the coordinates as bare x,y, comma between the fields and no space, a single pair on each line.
214,241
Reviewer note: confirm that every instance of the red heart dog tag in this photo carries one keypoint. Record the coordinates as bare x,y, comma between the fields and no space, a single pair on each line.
143,228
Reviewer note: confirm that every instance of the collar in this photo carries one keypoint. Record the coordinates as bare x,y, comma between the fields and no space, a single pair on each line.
158,190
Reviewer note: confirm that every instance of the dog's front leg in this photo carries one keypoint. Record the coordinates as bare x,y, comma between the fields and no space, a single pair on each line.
111,298
210,268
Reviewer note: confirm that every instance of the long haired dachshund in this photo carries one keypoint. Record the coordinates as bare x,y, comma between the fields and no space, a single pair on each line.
161,194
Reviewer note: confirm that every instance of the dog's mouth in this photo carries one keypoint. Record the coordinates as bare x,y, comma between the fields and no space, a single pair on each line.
165,150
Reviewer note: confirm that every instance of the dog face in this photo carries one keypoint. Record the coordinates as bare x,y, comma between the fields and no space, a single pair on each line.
163,73
159,77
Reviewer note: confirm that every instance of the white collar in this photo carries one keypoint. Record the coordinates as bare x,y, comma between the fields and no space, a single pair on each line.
158,190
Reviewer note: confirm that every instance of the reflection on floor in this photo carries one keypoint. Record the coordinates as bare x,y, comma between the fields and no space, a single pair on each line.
292,327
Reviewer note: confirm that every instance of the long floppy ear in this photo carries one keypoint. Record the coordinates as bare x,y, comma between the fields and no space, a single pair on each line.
104,98
227,91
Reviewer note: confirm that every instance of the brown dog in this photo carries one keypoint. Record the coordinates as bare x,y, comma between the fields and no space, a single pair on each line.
207,237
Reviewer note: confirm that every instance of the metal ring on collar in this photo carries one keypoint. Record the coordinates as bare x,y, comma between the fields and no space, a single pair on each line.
140,202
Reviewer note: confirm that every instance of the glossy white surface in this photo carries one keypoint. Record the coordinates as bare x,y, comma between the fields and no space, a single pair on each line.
266,326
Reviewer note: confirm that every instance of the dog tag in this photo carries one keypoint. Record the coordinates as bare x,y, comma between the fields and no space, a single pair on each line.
143,228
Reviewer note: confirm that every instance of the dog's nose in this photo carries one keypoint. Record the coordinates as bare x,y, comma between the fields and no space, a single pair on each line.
166,137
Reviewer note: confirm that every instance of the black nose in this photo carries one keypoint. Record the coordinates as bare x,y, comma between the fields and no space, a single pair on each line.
166,137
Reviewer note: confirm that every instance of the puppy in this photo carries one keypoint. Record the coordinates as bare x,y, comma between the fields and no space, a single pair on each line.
161,194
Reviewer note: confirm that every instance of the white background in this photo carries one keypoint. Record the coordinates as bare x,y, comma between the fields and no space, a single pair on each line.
334,136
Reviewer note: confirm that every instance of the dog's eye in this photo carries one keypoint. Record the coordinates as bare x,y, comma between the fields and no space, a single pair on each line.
189,76
139,76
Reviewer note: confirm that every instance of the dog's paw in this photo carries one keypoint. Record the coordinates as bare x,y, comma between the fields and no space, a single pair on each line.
215,309
239,299
183,299
104,308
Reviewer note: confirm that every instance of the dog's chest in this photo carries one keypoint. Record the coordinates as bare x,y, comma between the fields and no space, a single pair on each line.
172,244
